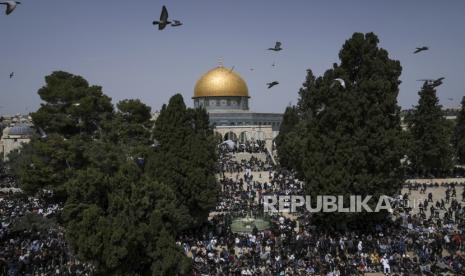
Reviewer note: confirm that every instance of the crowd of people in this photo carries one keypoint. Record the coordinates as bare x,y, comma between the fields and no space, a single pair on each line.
424,238
31,243
418,240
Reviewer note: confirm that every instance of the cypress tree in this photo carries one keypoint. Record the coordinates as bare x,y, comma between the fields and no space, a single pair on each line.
353,143
186,158
289,141
431,151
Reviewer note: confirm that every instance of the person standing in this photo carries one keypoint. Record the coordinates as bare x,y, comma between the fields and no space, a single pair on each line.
386,267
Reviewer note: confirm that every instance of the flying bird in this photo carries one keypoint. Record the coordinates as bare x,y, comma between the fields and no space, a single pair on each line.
420,49
43,135
163,19
437,82
340,81
271,84
12,74
176,23
321,109
10,6
155,143
450,99
273,65
251,69
277,47
432,83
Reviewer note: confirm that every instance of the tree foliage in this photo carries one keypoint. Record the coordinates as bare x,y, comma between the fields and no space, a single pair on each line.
125,197
186,158
290,140
352,134
431,151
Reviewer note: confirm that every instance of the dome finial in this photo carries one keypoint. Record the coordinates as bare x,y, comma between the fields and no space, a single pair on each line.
220,62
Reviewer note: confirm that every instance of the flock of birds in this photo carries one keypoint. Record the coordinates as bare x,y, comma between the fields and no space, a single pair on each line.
433,83
165,21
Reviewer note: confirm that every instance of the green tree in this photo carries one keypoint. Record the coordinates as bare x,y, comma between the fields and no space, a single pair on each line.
289,142
69,119
352,134
431,151
124,223
186,158
459,135
71,106
119,215
132,123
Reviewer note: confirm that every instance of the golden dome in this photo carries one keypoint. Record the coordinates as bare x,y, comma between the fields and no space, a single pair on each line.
219,82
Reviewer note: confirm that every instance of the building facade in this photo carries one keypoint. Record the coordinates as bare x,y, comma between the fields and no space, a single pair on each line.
13,138
225,96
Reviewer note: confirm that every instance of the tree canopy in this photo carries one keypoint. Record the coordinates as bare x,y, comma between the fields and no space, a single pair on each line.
430,150
352,134
129,185
186,157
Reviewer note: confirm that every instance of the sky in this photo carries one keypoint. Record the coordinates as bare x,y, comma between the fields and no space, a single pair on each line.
114,44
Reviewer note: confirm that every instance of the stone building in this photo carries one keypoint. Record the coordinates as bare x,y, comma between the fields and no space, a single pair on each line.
225,96
13,137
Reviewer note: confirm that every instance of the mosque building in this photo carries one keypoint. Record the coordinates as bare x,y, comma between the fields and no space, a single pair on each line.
13,138
225,96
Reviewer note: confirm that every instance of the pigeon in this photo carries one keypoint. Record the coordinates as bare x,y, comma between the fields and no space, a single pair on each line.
321,109
10,6
420,49
437,82
271,84
176,23
432,83
277,47
155,143
163,19
340,81
43,135
12,74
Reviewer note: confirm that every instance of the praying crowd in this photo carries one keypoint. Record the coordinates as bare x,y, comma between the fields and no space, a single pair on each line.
423,238
31,243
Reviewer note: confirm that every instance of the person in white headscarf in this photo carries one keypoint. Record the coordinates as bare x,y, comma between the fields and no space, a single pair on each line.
386,267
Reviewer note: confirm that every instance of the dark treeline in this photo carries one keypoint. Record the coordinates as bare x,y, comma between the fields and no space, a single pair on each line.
128,185
347,137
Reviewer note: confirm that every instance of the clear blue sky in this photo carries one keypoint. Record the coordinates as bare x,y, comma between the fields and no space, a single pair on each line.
113,44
